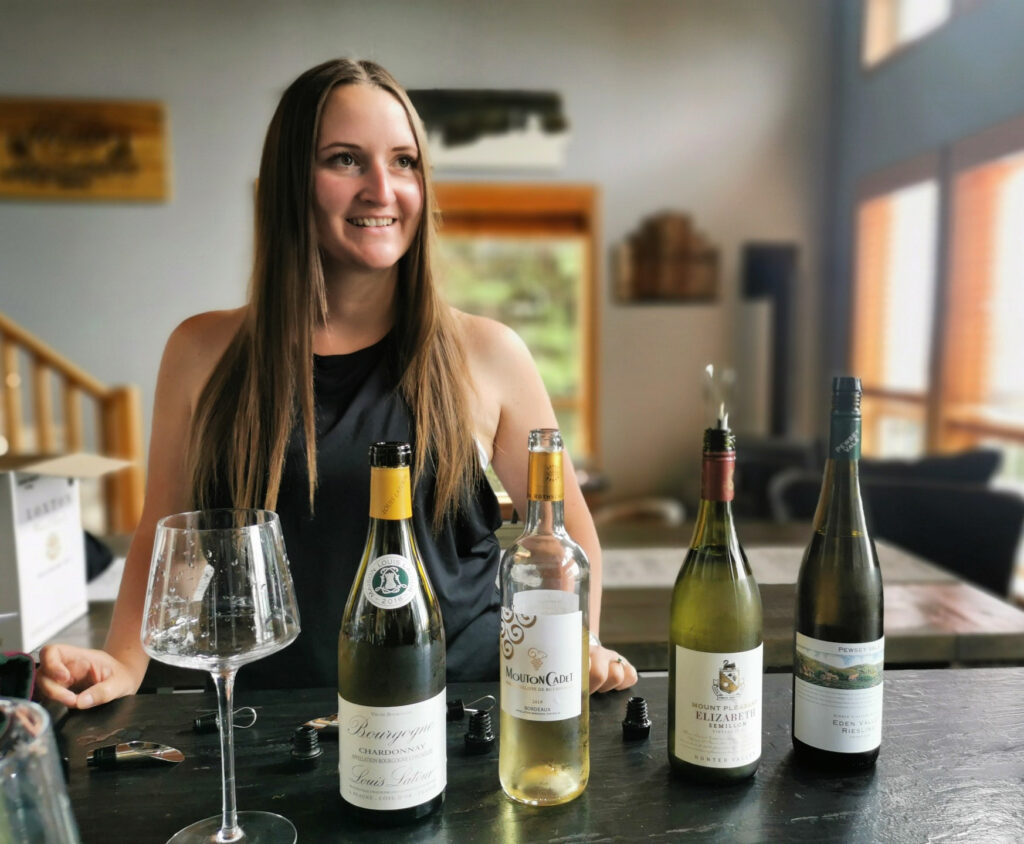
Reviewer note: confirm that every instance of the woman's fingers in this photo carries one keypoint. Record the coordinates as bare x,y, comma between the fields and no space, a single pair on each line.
95,675
610,671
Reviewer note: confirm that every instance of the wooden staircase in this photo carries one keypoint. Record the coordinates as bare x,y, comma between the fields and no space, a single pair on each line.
118,415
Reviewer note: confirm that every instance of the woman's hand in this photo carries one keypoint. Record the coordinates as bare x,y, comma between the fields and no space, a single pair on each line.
609,671
81,677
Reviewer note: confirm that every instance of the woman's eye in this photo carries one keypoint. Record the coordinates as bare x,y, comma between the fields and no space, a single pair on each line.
345,159
406,162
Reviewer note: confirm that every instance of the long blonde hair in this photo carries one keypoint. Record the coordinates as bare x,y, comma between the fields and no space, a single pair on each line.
263,385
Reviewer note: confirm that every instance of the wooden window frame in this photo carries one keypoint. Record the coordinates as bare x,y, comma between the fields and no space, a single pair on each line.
984,149
509,209
950,372
924,168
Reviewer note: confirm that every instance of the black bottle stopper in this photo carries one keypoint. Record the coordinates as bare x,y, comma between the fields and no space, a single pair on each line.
636,726
457,709
306,743
480,735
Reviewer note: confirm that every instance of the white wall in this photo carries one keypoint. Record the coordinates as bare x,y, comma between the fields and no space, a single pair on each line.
719,108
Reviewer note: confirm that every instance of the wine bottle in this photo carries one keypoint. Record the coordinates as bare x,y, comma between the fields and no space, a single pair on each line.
839,644
544,756
391,663
716,657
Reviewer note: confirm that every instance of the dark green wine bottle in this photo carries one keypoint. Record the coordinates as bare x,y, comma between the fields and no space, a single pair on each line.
839,645
716,656
391,663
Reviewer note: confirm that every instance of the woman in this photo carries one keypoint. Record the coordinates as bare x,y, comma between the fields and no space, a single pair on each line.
345,341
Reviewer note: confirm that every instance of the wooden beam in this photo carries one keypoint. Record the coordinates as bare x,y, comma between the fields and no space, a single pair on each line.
12,392
74,439
42,408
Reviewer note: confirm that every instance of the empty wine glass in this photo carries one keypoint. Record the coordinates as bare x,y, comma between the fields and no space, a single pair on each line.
220,595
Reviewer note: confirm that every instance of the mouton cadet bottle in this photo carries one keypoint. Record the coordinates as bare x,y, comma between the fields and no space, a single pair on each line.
544,754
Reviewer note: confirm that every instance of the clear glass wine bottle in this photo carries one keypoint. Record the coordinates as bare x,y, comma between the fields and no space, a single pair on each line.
544,754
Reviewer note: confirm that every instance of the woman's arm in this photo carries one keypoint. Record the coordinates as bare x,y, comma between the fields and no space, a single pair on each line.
514,401
84,677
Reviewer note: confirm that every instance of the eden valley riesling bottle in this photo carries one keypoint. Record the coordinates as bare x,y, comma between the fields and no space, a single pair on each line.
839,646
544,754
391,663
715,645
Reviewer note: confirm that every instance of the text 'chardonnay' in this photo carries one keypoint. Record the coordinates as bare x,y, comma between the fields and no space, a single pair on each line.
391,663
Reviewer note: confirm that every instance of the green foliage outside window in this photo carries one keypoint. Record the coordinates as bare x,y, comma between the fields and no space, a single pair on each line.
531,284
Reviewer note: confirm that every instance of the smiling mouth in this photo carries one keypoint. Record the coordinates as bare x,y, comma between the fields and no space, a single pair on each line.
372,222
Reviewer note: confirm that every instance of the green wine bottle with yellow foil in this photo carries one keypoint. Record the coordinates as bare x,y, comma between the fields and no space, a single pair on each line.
839,646
716,657
391,663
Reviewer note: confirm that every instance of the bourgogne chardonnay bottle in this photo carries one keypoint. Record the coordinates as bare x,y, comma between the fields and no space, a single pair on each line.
544,756
391,663
839,646
715,645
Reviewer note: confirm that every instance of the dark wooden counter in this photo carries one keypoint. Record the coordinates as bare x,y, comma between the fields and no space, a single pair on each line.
951,768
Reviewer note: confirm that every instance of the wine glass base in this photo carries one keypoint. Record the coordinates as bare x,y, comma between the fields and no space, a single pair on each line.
256,828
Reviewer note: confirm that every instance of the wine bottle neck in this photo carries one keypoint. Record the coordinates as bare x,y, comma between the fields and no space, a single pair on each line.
545,516
840,507
715,524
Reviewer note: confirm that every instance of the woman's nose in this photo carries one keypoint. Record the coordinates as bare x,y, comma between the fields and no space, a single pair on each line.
377,186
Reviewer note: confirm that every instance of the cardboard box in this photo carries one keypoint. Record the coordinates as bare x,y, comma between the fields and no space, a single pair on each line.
42,546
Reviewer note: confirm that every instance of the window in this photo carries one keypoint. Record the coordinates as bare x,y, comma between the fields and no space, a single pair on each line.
525,255
892,24
894,294
936,328
982,390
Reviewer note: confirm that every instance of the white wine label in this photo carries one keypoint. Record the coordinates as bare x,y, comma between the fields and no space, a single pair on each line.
542,656
718,707
392,757
390,582
837,694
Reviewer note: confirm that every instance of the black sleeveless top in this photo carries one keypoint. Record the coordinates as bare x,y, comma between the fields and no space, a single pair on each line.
357,405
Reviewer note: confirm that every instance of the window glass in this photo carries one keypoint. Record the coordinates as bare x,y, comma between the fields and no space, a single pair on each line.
533,285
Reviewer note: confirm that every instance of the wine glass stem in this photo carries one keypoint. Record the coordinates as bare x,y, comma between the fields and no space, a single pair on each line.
225,685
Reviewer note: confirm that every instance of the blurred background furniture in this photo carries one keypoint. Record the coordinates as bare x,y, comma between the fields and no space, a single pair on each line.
117,431
662,511
940,508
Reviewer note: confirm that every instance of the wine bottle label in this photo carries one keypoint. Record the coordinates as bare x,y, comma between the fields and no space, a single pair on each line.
542,656
390,582
389,493
392,757
837,694
544,477
718,707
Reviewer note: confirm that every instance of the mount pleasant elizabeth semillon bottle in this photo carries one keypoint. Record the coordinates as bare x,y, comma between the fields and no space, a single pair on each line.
839,645
391,663
715,646
544,754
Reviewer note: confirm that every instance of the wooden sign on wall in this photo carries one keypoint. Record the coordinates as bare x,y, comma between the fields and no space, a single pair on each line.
82,149
666,260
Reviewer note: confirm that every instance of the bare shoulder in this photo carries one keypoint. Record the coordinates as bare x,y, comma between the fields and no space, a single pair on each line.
196,345
489,343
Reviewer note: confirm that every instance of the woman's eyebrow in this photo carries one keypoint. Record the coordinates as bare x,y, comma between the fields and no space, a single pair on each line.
342,144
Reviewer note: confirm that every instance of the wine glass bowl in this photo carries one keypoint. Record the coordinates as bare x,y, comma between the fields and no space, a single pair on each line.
220,595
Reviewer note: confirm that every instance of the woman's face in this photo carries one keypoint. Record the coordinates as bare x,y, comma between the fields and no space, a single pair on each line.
367,183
